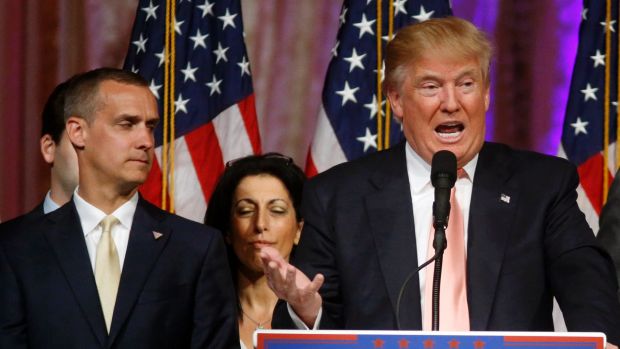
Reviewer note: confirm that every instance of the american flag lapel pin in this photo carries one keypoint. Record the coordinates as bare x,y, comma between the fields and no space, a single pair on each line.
157,235
505,198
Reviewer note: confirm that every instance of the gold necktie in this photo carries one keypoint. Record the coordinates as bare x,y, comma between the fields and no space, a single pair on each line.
107,270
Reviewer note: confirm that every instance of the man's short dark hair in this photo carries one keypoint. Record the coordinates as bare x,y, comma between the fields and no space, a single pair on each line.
53,113
81,98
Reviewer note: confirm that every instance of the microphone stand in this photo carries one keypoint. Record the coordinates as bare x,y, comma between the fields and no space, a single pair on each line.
439,244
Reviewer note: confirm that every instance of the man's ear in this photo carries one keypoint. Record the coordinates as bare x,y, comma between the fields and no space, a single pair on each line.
395,100
76,129
48,148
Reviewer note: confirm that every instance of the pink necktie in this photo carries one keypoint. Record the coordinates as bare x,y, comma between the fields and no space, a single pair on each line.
453,310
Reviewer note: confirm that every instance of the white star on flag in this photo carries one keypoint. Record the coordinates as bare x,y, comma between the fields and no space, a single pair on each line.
610,24
580,126
342,16
372,106
589,93
368,139
347,93
214,85
150,11
220,52
355,60
180,104
365,26
177,26
598,58
399,6
423,15
140,44
154,88
228,20
199,39
161,57
207,8
245,66
188,72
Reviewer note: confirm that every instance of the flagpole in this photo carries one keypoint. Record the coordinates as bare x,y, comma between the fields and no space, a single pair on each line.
379,91
606,99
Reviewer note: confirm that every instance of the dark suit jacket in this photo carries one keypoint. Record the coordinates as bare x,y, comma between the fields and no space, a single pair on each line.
359,233
175,291
609,233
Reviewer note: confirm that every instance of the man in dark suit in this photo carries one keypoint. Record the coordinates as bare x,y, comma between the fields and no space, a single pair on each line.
367,222
108,269
609,232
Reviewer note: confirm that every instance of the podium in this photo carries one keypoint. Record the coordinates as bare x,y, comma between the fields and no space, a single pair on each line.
323,339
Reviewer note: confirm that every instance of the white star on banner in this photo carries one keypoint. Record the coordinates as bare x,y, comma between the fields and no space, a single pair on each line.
161,57
372,106
335,49
615,104
214,85
199,39
245,66
580,126
188,73
140,44
347,93
180,104
228,19
399,6
355,60
365,26
598,58
177,26
342,16
423,15
610,24
368,139
589,92
207,8
220,52
584,14
155,88
150,11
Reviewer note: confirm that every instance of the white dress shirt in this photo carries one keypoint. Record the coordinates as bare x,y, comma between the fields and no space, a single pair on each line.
49,205
90,219
422,197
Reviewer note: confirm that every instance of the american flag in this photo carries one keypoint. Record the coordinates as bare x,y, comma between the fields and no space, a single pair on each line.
347,123
583,136
213,101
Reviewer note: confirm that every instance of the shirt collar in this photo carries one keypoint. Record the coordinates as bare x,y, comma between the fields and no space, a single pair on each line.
49,205
91,216
420,171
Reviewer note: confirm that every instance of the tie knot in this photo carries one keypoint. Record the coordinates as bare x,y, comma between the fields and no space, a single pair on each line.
460,173
108,222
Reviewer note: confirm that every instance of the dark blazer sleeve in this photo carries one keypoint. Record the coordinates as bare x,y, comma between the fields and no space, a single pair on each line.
609,233
580,272
215,317
12,315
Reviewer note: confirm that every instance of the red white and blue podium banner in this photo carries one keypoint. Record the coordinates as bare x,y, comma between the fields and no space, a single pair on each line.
289,339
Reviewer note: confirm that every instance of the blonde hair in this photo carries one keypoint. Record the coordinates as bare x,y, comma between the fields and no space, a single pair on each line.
450,35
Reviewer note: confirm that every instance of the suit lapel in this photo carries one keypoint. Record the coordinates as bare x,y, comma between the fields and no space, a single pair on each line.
143,251
67,240
390,215
492,209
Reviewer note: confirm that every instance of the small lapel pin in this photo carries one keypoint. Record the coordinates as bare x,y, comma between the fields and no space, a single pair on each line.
157,235
505,198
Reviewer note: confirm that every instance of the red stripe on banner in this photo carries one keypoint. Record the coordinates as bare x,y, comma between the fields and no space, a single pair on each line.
151,189
311,170
248,113
207,157
591,178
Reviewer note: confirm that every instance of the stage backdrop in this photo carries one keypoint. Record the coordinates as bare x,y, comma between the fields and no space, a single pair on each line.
289,44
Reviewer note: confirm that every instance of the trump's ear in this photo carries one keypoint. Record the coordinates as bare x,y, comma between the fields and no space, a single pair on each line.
395,100
77,131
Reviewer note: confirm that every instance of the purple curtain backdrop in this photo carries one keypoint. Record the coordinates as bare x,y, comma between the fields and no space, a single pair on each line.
289,43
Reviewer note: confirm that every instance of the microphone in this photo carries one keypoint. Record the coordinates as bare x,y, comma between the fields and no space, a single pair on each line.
443,176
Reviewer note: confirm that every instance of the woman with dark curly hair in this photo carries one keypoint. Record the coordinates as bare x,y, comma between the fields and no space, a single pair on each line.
255,204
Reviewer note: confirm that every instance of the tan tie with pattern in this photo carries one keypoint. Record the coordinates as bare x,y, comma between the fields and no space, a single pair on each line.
107,270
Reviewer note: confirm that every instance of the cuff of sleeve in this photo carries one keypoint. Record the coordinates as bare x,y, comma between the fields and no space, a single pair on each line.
300,324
